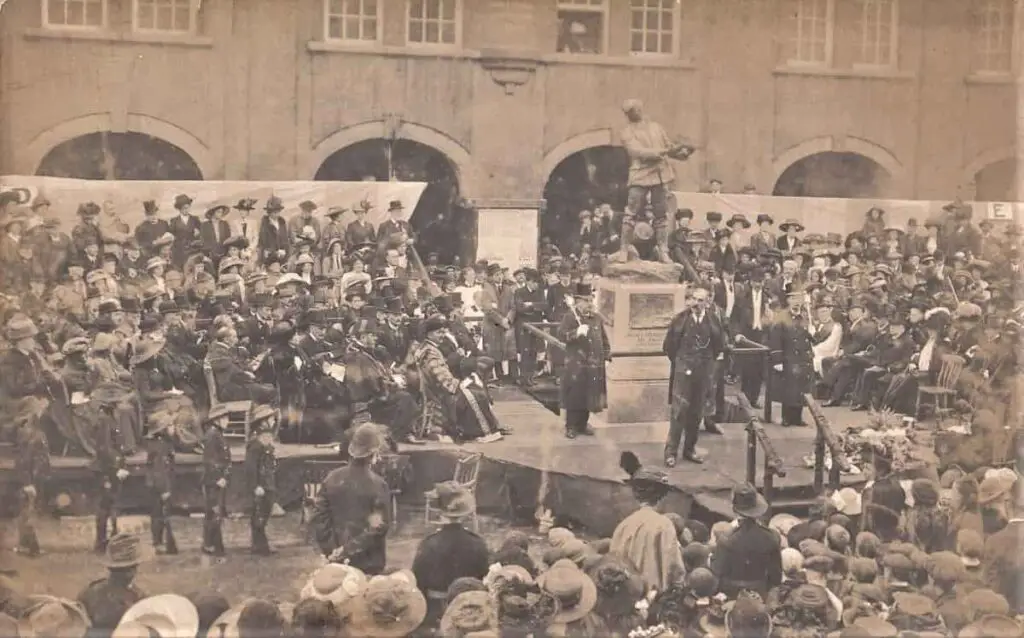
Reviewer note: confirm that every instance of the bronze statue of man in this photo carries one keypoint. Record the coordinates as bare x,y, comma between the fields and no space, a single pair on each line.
650,175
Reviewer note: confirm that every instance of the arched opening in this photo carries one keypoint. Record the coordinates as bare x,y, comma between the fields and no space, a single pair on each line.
996,182
583,180
833,174
442,222
120,156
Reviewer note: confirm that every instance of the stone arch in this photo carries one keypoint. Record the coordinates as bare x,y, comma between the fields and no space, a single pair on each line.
41,144
376,129
575,144
838,144
987,158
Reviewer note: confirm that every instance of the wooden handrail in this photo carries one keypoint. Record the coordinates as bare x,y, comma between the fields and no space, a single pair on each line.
825,438
553,340
756,436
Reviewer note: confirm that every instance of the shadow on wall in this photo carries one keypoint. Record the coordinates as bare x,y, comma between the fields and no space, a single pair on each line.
120,156
842,175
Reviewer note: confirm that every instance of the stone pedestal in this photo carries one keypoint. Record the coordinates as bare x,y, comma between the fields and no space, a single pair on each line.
637,316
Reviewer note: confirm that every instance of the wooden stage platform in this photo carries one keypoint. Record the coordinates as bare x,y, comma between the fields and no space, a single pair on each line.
579,480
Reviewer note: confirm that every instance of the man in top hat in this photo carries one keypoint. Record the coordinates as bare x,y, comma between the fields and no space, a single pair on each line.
395,228
351,511
274,240
711,233
305,224
151,226
185,229
261,474
582,388
360,231
450,553
106,600
214,231
650,174
751,319
694,342
791,354
530,306
750,556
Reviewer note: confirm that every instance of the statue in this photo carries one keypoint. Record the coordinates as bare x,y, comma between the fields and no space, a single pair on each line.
650,179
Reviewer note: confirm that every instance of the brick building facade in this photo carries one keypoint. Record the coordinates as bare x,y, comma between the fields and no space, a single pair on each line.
922,92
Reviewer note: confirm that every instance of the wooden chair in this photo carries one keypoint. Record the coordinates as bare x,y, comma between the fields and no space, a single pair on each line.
944,391
313,475
238,411
395,470
467,470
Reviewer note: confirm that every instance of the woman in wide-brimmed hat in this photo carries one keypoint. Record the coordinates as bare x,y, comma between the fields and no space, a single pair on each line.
166,616
340,585
163,403
576,594
619,589
390,607
50,616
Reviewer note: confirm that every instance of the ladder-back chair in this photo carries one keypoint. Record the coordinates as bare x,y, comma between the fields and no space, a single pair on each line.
467,471
313,475
944,390
238,411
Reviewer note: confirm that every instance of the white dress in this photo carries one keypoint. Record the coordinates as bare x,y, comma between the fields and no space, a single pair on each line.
829,347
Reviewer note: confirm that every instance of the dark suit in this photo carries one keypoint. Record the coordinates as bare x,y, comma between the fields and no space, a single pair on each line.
750,558
692,345
389,228
751,366
448,554
531,306
761,241
213,233
349,497
149,231
890,359
790,346
233,383
359,232
845,371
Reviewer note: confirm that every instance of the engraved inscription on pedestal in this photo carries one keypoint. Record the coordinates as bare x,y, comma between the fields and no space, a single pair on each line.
648,310
606,306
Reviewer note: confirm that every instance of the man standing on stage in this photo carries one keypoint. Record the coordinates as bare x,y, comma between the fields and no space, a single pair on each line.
650,173
583,387
792,358
694,341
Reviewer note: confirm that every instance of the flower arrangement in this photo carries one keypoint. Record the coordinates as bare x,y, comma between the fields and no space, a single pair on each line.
886,433
657,631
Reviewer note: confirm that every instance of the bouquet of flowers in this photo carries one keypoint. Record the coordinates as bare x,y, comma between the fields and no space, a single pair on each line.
886,433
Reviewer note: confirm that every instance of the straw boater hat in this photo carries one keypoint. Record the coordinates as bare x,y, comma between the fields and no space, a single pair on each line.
575,591
341,585
49,616
390,607
169,615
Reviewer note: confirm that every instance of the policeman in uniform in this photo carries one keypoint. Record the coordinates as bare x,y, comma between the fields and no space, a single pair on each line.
451,552
106,600
260,473
216,469
531,306
110,469
694,340
791,353
160,479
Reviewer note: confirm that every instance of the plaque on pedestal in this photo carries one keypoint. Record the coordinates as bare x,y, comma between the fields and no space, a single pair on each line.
637,316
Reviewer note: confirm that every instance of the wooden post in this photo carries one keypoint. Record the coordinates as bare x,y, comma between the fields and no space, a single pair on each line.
768,370
769,481
751,454
819,463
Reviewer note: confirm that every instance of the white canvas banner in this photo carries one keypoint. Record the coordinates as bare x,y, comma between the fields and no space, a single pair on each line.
508,237
125,198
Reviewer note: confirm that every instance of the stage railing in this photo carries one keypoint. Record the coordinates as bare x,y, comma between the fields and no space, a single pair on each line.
757,437
825,438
